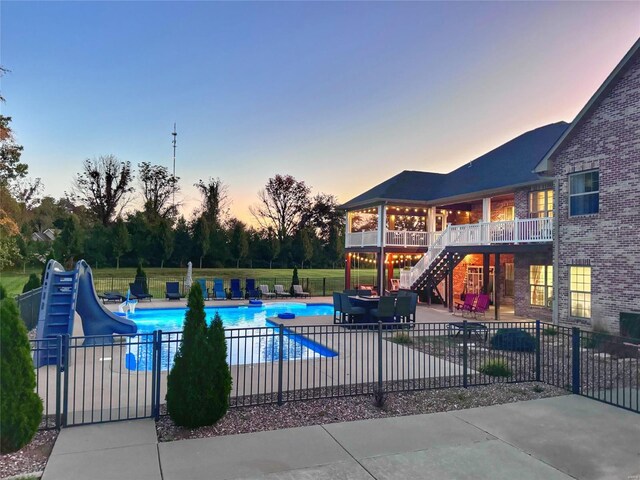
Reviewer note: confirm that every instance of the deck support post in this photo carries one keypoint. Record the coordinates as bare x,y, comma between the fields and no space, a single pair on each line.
496,286
347,272
450,284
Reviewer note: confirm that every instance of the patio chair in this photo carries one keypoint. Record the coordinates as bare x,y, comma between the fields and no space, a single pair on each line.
395,284
113,296
298,292
137,291
236,291
172,291
414,305
351,293
279,289
467,305
250,290
403,309
265,293
337,307
349,311
203,287
364,292
481,306
386,309
218,289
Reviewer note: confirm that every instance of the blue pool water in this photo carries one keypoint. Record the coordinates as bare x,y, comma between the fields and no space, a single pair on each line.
251,338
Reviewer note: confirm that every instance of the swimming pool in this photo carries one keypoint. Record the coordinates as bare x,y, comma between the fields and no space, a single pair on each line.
251,337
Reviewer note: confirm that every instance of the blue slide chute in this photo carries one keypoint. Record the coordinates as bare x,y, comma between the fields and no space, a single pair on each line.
63,294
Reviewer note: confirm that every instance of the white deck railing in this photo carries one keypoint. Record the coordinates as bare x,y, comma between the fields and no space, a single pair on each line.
361,239
406,238
528,230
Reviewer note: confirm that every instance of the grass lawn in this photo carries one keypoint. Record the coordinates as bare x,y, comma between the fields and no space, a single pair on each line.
117,279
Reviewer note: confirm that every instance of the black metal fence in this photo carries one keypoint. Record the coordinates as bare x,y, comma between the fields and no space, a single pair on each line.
29,305
94,381
157,285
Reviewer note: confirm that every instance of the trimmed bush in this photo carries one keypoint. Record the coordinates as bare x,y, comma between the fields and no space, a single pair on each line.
3,292
402,339
20,406
550,331
294,280
141,279
32,283
199,382
514,340
496,368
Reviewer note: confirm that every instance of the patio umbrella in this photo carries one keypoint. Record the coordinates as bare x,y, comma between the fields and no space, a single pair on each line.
189,280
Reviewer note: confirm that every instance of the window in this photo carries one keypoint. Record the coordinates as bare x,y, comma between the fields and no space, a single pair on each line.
541,285
580,291
541,204
584,193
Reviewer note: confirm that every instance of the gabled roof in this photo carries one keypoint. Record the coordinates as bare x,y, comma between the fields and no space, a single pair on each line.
508,165
544,165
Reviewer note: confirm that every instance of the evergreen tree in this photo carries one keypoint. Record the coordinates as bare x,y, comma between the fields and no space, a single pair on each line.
141,278
199,382
20,406
294,280
120,240
32,283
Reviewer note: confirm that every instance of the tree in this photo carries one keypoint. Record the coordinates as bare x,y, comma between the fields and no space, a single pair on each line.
295,280
9,231
182,242
158,188
20,405
120,240
69,243
199,382
302,248
10,152
103,185
97,246
335,247
215,200
239,243
281,205
141,279
163,237
200,229
32,283
323,215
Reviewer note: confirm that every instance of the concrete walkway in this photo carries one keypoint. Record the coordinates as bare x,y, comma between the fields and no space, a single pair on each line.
556,438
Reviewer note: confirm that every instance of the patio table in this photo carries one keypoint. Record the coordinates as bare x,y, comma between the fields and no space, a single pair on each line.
368,303
479,330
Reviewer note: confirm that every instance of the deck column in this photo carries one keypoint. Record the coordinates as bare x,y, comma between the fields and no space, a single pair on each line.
347,272
389,273
380,270
450,285
496,286
485,272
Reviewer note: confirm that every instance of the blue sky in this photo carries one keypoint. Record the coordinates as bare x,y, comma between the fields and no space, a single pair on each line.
341,95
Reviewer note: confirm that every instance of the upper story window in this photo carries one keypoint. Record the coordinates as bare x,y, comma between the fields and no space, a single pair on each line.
541,204
584,193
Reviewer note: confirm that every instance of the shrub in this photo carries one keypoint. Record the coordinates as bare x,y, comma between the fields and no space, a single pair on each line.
3,292
495,368
294,280
550,331
141,278
20,406
402,339
199,381
513,339
32,283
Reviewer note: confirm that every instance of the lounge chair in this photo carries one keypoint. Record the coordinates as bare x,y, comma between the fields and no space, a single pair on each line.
279,289
236,291
265,293
250,288
467,305
172,291
218,289
298,292
403,309
386,309
138,292
112,297
337,307
204,288
413,296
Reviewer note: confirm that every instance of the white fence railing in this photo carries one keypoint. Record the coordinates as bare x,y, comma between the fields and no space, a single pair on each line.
362,239
527,230
407,238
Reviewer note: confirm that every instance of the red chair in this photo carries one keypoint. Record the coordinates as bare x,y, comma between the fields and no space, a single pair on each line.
481,306
467,305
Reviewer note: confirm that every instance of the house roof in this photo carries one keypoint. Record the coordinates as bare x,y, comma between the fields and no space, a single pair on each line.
508,165
545,165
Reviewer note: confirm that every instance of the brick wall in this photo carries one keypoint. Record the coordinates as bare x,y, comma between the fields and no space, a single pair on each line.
521,301
607,138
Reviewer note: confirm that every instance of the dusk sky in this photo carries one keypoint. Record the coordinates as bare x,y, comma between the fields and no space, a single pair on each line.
341,95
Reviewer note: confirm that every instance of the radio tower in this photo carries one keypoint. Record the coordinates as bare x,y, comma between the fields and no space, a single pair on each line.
175,135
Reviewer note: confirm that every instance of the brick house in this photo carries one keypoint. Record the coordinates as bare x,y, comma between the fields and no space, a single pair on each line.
545,222
595,166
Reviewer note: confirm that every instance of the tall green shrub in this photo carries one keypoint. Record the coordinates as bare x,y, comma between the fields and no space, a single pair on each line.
199,381
20,406
3,292
294,280
32,283
141,279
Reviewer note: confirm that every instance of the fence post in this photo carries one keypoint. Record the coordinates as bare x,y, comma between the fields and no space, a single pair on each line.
324,286
380,361
575,360
154,385
59,349
280,361
65,369
465,381
157,367
538,350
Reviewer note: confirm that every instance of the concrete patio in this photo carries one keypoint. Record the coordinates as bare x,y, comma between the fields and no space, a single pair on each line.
565,437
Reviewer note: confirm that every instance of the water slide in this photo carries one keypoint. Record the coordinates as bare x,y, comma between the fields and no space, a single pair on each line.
63,294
